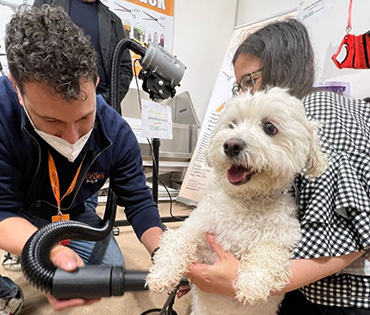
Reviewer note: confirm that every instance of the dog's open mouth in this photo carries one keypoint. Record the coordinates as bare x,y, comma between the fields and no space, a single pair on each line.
238,175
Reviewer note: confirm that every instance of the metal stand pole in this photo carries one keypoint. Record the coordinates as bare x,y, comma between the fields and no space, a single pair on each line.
156,143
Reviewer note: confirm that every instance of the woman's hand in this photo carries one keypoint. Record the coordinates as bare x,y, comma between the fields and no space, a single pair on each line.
68,260
217,278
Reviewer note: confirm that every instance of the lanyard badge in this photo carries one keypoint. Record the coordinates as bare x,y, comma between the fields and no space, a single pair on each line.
55,187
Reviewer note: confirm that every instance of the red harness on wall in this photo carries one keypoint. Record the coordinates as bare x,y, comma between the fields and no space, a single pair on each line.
357,48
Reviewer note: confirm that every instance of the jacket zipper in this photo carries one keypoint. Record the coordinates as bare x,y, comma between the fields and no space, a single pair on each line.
81,182
39,151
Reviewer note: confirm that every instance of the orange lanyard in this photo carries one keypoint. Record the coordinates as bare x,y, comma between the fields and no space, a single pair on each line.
54,181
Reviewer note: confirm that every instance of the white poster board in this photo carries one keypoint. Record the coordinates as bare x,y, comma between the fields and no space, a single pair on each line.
197,175
146,20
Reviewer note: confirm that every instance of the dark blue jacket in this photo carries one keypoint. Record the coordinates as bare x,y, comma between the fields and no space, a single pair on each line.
112,151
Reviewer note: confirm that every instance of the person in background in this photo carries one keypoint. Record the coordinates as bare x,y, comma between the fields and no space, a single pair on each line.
330,273
11,297
52,122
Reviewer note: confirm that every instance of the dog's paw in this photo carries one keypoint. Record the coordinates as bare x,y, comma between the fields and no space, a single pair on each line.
254,287
159,282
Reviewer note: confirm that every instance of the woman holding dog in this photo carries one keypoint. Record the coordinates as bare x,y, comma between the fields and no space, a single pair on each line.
329,266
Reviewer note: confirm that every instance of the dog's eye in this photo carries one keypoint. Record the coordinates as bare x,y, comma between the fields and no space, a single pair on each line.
269,128
233,124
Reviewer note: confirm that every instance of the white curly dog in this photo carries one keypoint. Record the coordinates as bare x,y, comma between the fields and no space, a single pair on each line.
259,144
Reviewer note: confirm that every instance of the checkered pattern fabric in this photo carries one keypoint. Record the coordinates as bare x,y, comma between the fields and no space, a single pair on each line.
334,209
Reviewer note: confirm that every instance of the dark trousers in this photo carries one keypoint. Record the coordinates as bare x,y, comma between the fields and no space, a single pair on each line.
295,303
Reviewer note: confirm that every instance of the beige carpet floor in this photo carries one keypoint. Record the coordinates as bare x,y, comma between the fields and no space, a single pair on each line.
131,303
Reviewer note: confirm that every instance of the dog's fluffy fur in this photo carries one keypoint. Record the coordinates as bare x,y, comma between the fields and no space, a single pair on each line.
259,144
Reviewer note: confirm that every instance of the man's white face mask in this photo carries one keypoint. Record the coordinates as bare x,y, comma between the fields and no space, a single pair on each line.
69,151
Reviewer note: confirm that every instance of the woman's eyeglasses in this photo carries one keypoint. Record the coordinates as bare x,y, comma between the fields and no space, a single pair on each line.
247,82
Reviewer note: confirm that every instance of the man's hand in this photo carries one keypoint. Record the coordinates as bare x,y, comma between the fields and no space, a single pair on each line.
68,260
59,305
217,278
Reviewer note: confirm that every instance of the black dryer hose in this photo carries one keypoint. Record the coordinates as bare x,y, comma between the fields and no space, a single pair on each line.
86,282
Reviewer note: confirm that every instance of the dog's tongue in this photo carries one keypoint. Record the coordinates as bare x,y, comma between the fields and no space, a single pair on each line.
236,174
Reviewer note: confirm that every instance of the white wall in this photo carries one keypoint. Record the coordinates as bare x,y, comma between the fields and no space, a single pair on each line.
326,35
202,33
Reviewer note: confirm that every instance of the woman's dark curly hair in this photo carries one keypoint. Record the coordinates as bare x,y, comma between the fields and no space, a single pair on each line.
44,45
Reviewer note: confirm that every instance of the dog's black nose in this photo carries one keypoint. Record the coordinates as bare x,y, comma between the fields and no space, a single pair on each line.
233,146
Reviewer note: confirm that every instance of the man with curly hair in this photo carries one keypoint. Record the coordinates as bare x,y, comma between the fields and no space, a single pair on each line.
59,143
105,30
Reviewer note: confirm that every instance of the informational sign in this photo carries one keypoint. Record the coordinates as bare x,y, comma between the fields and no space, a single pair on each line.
310,11
135,125
146,20
198,173
156,120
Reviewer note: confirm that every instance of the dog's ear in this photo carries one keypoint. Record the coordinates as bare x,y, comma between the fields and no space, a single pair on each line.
316,160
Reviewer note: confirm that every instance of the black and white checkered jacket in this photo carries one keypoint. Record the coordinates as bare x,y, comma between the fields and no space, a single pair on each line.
334,209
